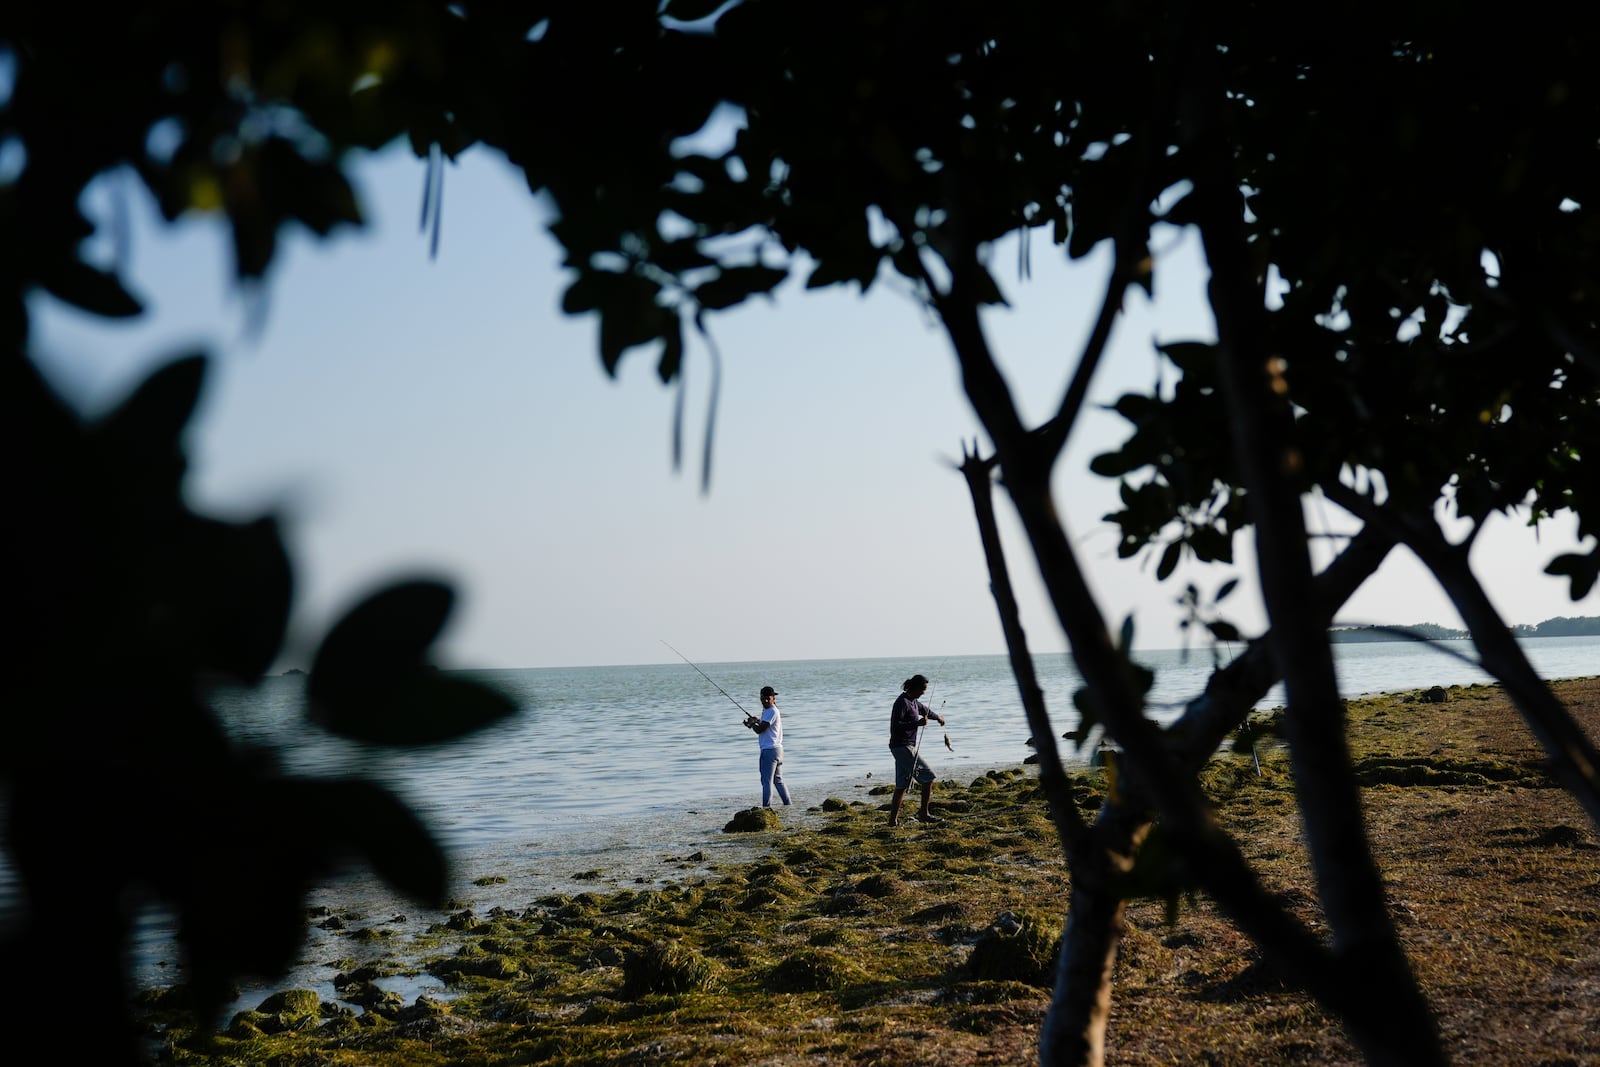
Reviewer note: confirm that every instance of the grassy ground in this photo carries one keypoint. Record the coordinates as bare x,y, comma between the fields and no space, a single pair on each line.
855,943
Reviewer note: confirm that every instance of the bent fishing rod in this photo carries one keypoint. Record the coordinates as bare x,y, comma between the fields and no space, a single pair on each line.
708,678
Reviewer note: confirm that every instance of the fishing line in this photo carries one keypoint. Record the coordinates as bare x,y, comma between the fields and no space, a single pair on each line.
708,678
916,751
948,746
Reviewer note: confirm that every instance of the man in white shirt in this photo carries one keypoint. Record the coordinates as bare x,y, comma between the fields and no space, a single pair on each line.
769,731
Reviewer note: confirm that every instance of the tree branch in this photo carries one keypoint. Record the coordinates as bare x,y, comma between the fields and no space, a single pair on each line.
1391,1020
1573,757
1053,780
1074,1026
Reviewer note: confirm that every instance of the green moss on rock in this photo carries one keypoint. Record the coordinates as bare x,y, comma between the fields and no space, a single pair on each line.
815,970
282,1012
1015,948
752,820
882,884
665,967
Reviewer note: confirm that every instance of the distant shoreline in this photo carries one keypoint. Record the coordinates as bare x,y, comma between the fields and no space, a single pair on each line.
1583,626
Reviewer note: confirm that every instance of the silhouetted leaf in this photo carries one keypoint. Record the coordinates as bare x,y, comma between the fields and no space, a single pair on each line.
629,316
390,631
1196,359
986,289
382,830
1140,677
255,238
370,680
1088,716
420,708
324,198
838,266
1181,211
1210,544
671,350
1169,560
1223,630
586,293
242,909
240,896
682,256
240,595
153,418
89,289
734,284
1582,571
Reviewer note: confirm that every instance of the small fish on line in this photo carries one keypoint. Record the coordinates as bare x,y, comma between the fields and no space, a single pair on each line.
947,743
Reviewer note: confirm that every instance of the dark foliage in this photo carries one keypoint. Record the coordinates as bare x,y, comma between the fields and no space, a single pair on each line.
1398,210
121,787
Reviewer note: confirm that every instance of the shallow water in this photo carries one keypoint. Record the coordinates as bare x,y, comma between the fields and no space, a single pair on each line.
630,770
594,745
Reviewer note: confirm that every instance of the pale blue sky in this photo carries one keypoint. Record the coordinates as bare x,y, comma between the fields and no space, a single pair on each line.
410,415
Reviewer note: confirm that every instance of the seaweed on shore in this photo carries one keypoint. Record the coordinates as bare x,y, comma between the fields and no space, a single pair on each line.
850,941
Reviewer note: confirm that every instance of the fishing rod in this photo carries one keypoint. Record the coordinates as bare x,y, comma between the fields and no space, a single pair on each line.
708,678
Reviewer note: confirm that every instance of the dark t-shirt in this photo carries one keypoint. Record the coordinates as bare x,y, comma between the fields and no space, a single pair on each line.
904,719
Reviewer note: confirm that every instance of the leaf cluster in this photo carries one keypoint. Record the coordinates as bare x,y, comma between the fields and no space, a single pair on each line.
122,787
1407,201
1419,208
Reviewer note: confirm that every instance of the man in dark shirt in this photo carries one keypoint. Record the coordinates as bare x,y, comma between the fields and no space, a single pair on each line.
906,721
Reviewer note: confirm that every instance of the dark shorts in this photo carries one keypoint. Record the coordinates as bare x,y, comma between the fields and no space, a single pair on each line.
905,762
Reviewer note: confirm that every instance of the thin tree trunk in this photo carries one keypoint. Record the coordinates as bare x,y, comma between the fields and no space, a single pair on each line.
1391,1021
1053,780
1211,855
1073,1034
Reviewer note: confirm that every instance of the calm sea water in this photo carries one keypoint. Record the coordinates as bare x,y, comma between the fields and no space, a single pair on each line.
595,746
628,768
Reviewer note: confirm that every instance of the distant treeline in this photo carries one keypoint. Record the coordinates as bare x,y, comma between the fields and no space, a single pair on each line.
1583,626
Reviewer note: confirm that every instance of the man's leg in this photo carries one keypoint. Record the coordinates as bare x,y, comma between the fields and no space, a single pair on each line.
927,794
777,781
894,805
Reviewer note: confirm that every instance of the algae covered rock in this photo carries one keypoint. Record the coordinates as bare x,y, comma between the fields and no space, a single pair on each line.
665,967
291,1002
761,897
752,820
248,1024
883,884
291,1009
474,960
945,911
814,971
777,882
1015,948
